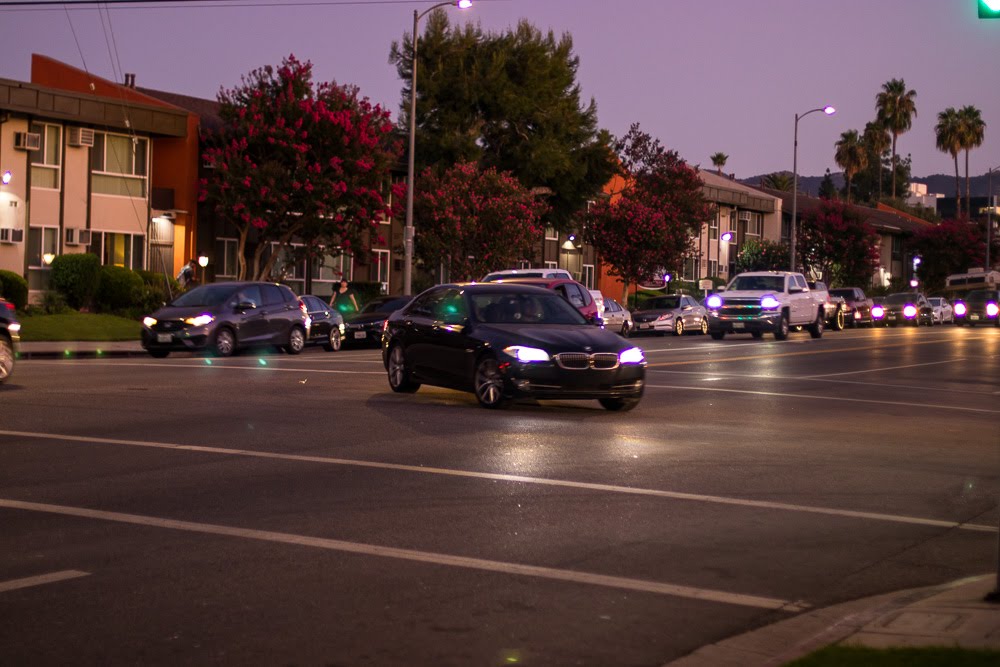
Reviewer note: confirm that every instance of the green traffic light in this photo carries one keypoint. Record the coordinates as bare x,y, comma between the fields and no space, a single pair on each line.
989,9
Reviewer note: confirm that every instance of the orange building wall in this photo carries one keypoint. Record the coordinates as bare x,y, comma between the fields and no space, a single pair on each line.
609,285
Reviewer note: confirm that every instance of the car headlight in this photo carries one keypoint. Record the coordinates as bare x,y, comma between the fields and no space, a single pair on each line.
200,320
526,355
665,316
878,311
909,311
342,327
149,322
768,302
714,301
992,309
13,327
960,309
633,355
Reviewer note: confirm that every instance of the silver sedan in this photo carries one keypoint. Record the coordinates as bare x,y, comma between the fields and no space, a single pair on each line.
617,318
943,312
671,313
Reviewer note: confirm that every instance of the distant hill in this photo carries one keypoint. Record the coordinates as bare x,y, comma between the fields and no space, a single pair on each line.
939,183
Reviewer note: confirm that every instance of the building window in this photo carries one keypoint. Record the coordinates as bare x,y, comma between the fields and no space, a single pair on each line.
713,225
225,257
588,276
689,269
755,224
523,264
285,267
118,165
41,241
713,268
46,160
382,269
897,248
551,234
333,268
551,265
116,249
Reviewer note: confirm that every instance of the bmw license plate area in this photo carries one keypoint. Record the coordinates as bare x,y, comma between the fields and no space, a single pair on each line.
360,335
164,338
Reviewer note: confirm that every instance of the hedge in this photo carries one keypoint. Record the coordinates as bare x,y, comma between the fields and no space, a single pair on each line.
14,288
76,277
119,289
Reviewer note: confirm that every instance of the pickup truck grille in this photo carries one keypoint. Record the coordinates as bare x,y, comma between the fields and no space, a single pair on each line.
740,307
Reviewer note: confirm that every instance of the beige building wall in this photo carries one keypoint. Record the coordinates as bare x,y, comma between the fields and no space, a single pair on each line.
13,196
111,213
77,165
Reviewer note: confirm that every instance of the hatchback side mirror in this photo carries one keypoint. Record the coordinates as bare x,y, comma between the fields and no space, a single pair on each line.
244,306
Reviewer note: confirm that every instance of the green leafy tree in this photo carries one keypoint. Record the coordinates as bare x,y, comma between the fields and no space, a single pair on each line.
827,188
973,133
719,161
949,247
779,180
474,220
296,160
948,137
877,141
850,156
651,223
896,107
762,255
838,244
509,101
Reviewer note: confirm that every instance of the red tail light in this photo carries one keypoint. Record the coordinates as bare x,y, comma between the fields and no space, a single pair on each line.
302,307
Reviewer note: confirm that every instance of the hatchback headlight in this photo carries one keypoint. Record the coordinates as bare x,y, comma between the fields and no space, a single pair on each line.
149,322
633,355
200,320
526,355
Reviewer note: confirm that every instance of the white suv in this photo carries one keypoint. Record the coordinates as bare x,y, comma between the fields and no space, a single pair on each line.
526,273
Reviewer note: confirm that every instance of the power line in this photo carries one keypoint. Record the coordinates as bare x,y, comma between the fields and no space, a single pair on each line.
52,5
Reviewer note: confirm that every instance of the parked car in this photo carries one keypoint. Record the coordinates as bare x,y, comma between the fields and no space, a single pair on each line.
980,306
326,323
944,312
504,340
617,317
599,300
857,306
671,313
365,326
224,317
908,308
834,309
576,294
10,339
526,273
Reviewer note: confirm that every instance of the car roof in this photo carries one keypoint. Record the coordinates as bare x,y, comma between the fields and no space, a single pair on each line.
502,287
548,282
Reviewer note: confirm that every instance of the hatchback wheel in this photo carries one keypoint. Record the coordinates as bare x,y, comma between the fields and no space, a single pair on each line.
333,341
6,358
296,340
489,384
399,376
225,343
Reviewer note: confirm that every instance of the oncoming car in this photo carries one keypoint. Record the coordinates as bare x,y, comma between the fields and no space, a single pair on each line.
502,341
10,338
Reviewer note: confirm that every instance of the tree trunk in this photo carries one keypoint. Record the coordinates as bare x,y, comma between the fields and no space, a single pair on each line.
848,185
893,165
241,258
958,189
968,188
880,177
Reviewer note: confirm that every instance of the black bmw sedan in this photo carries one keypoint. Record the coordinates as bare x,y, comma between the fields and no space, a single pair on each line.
502,341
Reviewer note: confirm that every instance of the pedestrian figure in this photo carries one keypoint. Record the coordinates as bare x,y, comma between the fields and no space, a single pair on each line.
343,299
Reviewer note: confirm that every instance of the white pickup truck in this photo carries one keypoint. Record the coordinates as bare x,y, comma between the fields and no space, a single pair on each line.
766,302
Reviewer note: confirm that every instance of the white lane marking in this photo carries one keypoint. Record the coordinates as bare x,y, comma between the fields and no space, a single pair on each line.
779,394
543,481
593,579
213,365
41,579
884,368
698,347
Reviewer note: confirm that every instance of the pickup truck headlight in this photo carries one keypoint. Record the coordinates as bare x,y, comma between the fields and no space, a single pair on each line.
714,302
768,302
526,355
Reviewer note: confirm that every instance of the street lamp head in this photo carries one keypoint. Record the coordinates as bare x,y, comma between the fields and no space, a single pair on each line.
828,110
203,261
5,179
463,4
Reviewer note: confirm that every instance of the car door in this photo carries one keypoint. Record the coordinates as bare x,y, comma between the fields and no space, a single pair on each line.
277,314
416,335
319,313
449,348
251,317
802,301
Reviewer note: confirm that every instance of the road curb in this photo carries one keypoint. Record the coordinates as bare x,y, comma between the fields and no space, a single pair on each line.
80,354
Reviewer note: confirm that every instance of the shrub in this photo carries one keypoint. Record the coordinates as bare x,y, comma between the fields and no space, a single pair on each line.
76,277
14,288
53,303
119,289
157,289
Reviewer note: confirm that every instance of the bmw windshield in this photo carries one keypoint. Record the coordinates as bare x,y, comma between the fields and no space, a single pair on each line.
520,308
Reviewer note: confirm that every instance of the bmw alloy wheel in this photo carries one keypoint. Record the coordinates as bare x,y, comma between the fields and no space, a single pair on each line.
489,384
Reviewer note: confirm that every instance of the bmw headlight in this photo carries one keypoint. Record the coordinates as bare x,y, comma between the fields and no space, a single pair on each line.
526,355
714,302
200,320
149,322
768,302
633,355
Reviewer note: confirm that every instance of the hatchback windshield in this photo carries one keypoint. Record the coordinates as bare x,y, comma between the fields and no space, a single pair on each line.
524,309
902,298
206,295
754,283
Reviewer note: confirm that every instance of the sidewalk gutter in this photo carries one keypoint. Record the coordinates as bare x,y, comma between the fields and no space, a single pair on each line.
80,350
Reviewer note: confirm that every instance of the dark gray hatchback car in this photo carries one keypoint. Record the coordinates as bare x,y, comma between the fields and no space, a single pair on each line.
224,317
10,337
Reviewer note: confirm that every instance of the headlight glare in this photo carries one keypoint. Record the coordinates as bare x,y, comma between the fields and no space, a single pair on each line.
909,311
149,322
200,320
633,355
714,301
768,302
960,309
526,355
992,309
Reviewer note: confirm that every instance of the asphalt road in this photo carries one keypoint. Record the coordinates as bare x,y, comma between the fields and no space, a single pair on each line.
292,510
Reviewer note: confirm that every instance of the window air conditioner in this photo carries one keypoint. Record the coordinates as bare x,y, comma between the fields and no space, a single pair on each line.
76,236
27,141
11,235
744,215
81,136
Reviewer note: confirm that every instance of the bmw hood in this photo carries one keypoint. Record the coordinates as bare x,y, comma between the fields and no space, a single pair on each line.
555,338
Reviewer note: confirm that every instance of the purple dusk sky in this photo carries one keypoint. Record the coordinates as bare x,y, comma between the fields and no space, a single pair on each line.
702,75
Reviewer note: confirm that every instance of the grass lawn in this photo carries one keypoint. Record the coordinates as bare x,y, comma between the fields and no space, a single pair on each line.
860,656
78,326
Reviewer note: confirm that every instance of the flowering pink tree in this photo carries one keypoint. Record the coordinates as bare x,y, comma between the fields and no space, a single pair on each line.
298,161
651,223
474,221
952,246
839,245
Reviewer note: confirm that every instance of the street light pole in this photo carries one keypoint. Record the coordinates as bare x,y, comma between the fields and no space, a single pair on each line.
989,220
829,111
408,233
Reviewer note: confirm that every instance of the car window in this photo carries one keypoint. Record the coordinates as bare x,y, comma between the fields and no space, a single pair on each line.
520,308
314,304
753,283
451,307
272,295
576,295
663,303
251,294
287,294
426,304
205,295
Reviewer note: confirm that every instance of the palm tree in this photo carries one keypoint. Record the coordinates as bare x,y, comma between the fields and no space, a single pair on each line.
719,160
779,180
850,156
877,139
896,109
973,132
948,133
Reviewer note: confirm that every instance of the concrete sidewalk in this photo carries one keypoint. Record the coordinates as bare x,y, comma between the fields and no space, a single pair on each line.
952,614
77,349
